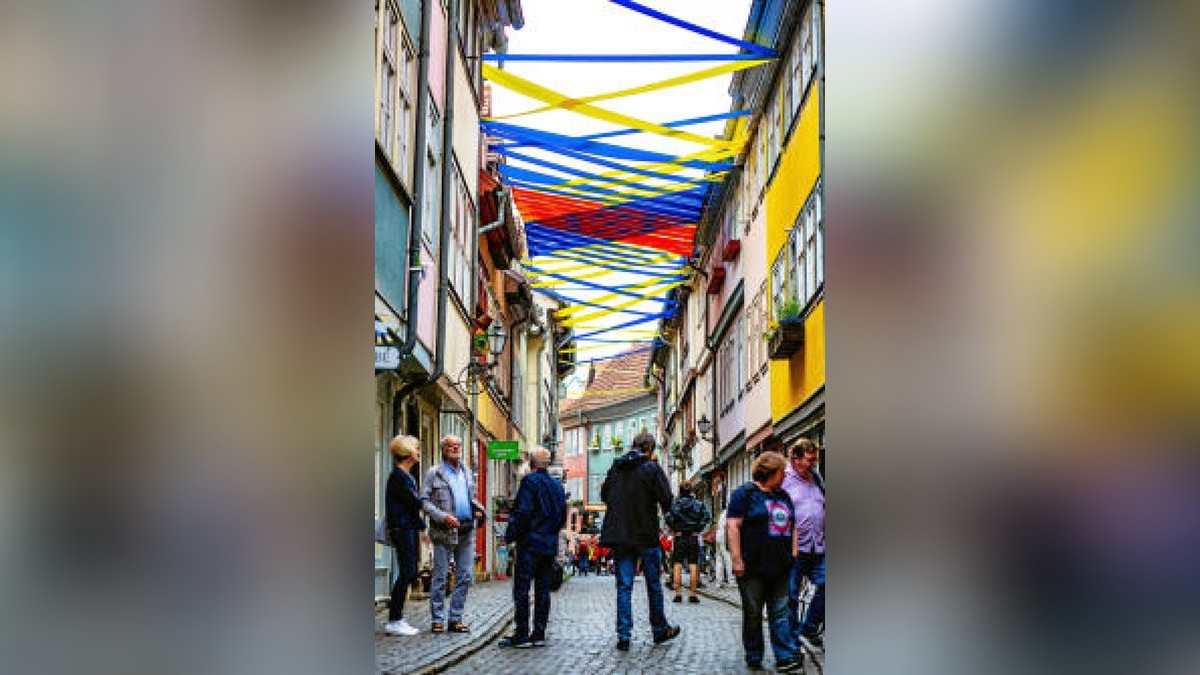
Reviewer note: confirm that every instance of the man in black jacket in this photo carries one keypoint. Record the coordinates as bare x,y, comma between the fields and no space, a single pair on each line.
633,492
539,513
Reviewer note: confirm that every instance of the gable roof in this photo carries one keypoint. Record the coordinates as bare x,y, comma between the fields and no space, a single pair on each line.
623,375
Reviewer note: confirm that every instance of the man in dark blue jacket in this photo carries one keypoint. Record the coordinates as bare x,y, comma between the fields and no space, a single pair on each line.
538,515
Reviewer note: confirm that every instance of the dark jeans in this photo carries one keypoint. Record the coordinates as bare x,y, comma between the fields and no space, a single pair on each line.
772,593
811,565
651,559
404,543
538,568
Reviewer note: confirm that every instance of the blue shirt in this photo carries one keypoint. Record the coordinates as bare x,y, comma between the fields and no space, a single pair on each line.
462,498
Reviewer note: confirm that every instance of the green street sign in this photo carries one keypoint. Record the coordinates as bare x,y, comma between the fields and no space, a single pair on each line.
504,450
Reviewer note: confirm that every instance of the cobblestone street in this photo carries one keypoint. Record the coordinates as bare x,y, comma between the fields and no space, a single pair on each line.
581,637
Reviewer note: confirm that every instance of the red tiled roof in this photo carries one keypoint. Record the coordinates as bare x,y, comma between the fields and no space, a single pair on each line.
622,374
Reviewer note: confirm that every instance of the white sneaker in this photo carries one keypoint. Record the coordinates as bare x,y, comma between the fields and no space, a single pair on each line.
400,627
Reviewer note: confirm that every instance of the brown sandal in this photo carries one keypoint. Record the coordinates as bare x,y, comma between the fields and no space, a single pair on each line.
436,628
459,627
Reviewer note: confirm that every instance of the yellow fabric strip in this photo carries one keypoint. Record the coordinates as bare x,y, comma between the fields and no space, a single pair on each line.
534,91
597,313
569,313
653,86
674,166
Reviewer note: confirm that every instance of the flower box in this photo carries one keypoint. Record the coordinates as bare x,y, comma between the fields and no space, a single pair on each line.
786,339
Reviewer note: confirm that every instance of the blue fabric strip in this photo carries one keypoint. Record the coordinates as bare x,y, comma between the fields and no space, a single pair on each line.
627,132
576,301
584,174
540,233
655,14
551,141
627,324
686,215
649,206
620,58
614,356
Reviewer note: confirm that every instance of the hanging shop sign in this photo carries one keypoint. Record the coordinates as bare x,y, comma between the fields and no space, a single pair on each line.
504,450
387,358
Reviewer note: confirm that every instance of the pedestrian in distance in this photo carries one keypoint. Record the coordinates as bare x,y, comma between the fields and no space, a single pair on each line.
447,497
538,514
763,544
723,565
686,519
582,554
404,523
803,484
634,490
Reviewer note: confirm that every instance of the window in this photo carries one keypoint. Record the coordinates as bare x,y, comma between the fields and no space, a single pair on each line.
408,65
433,178
799,269
757,317
731,223
575,488
739,356
593,492
462,244
389,24
771,119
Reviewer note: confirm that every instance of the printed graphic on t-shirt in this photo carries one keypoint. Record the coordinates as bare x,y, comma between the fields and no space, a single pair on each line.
779,518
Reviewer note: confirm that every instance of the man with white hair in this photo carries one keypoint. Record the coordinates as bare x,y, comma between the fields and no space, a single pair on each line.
447,497
538,515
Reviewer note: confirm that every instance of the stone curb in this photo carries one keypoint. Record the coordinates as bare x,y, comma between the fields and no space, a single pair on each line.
490,630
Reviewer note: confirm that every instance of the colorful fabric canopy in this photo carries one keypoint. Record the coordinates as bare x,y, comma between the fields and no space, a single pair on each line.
610,217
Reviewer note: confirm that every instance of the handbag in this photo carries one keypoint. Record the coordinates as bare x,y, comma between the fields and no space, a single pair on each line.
381,532
556,576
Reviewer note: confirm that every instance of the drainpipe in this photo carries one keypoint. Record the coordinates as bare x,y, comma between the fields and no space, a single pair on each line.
419,151
439,365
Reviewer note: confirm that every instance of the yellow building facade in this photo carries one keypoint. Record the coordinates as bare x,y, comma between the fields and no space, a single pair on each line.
788,154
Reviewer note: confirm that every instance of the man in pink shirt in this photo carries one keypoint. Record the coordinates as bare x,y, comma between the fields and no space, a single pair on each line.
803,484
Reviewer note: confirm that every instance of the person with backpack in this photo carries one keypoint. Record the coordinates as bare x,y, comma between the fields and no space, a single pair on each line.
803,484
687,519
540,511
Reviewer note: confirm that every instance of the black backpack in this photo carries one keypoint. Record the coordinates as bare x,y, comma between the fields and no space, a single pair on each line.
687,515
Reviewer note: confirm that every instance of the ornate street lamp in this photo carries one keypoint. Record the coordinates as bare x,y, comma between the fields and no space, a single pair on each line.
475,371
704,427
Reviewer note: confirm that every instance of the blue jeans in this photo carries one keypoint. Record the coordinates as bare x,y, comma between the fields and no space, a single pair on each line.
538,568
811,565
626,567
464,569
772,593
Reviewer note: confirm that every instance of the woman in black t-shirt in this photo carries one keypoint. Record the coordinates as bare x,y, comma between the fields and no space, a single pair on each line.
762,545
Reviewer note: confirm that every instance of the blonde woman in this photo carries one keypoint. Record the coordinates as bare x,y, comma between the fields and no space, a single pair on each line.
403,522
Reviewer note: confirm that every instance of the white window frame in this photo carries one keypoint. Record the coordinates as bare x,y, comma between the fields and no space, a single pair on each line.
798,272
433,161
388,66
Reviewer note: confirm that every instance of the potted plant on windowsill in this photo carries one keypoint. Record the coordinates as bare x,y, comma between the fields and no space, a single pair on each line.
786,335
615,443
